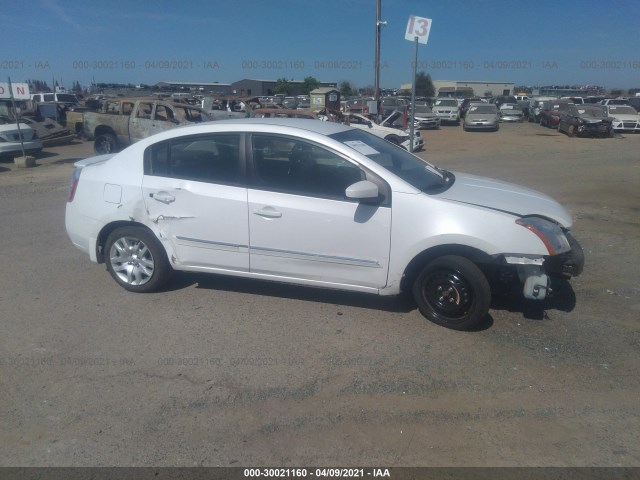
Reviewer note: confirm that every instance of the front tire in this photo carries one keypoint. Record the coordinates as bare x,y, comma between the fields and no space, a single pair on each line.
136,260
452,291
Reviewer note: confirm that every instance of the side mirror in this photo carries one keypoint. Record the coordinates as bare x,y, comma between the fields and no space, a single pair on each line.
362,190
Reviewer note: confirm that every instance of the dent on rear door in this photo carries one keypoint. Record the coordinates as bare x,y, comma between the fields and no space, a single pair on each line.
203,214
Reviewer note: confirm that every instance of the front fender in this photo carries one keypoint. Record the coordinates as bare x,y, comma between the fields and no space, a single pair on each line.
421,223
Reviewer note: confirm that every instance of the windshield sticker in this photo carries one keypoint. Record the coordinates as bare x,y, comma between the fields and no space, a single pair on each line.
361,147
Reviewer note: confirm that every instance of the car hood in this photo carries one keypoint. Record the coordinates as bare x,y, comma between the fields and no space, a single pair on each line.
482,116
505,197
426,116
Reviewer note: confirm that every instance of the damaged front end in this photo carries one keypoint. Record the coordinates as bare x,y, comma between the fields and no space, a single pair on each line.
534,272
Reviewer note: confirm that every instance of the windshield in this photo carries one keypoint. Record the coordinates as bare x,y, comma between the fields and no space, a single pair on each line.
447,103
591,112
422,109
65,97
413,170
623,110
482,109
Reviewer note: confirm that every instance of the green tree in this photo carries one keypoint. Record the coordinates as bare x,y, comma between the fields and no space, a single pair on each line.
616,92
346,88
282,86
367,91
633,91
310,83
424,85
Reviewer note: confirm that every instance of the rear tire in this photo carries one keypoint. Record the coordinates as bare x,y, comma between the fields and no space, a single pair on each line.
136,260
452,291
105,143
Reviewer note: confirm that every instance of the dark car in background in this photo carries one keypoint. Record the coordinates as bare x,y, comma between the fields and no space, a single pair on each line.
465,105
552,111
585,121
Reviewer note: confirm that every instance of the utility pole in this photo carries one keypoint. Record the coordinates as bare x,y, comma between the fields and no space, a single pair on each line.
379,25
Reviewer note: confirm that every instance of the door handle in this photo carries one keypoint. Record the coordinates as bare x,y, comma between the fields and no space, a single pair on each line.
268,212
163,197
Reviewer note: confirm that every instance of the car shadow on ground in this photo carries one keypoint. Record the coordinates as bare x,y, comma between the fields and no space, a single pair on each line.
400,303
66,160
563,298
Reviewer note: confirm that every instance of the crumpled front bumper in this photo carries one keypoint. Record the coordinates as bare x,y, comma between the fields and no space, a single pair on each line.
568,264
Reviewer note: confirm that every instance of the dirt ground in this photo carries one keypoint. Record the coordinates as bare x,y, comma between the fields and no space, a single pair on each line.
219,371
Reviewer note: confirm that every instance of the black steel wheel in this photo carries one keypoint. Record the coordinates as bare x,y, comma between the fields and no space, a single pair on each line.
453,292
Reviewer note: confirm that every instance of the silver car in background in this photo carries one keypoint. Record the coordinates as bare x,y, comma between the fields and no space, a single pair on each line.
482,116
511,113
425,118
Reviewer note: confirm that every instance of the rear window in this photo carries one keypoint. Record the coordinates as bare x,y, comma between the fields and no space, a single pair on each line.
66,97
202,158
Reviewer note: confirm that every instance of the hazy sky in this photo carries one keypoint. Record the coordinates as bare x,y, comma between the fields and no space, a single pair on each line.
536,42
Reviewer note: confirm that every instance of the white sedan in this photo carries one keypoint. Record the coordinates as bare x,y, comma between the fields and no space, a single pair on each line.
10,145
625,118
397,136
315,203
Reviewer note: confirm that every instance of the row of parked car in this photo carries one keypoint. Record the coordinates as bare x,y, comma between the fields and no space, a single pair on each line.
583,119
571,115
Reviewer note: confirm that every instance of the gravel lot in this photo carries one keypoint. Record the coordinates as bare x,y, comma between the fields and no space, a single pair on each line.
223,371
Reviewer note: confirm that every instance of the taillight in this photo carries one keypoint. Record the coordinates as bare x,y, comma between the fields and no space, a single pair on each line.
75,178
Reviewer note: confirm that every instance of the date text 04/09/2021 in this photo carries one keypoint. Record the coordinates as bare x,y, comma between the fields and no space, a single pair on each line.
316,472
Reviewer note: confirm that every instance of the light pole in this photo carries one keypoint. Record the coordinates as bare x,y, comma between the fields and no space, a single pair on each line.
376,79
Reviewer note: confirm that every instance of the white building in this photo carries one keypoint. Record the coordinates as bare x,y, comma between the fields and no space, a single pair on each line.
446,88
455,88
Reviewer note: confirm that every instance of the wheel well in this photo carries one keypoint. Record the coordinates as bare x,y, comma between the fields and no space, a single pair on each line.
103,129
419,261
393,139
106,231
